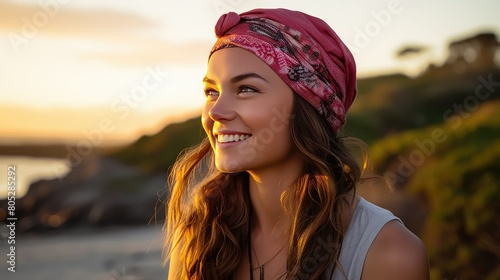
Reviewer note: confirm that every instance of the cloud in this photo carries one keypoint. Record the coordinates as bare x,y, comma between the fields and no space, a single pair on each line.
60,21
115,37
154,52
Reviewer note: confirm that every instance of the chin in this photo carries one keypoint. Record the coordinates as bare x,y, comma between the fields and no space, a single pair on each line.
231,166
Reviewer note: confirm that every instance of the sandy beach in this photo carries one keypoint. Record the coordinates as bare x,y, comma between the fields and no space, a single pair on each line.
98,254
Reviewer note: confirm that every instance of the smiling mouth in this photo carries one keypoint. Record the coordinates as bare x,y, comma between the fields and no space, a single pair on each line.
229,138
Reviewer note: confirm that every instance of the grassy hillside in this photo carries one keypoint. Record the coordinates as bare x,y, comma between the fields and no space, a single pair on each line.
389,107
156,153
459,177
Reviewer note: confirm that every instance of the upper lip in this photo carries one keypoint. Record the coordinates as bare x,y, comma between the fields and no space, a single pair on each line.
228,132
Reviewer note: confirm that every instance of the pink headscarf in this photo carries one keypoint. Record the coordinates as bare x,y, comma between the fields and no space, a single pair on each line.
303,50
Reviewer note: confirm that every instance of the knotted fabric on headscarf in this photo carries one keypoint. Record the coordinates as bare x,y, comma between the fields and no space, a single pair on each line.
303,50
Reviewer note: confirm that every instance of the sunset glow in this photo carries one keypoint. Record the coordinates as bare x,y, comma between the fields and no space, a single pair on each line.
68,65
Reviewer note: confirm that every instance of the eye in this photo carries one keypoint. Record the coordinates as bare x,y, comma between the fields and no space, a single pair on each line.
210,92
246,89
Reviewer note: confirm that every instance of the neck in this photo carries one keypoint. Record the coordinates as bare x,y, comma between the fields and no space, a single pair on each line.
266,188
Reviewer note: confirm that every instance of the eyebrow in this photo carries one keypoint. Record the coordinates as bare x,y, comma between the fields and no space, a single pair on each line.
238,78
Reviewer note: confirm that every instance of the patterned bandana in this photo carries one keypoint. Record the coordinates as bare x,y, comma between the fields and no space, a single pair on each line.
303,50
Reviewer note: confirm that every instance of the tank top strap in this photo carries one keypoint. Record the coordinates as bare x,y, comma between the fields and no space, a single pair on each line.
366,222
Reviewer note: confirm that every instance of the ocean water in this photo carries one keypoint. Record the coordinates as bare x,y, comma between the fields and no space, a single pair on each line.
28,170
121,253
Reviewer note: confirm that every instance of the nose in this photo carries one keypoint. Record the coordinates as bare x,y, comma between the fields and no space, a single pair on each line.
222,109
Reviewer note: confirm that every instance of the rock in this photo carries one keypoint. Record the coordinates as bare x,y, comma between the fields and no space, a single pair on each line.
99,191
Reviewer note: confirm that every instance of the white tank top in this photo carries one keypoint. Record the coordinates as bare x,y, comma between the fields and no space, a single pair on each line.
366,222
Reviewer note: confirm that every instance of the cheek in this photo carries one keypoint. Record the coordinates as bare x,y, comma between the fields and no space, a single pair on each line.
207,123
273,129
273,117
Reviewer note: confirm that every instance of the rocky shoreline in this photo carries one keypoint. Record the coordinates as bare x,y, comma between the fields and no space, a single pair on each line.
99,191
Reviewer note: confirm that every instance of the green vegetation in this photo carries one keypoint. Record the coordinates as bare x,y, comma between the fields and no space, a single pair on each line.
459,182
410,104
158,152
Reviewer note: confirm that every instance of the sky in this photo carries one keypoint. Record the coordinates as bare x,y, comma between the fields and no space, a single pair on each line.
110,71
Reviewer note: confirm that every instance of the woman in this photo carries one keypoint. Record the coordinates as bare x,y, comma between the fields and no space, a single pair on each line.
270,193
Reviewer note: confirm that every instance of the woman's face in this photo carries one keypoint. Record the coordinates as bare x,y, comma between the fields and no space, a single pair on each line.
247,112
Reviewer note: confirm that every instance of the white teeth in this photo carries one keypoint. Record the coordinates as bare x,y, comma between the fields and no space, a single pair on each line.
225,138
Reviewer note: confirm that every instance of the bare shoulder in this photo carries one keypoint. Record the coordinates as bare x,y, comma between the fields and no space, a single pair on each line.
396,253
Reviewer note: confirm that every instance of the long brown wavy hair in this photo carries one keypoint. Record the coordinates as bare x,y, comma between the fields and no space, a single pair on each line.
208,211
